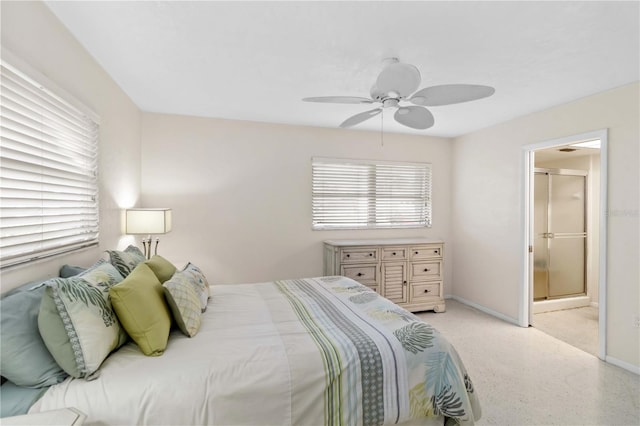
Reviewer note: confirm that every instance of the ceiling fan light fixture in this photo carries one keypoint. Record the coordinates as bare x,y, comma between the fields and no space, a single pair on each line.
390,103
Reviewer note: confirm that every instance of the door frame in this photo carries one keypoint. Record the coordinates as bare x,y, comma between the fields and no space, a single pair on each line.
526,288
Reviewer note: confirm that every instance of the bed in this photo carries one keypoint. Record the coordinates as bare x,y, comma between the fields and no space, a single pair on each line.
311,351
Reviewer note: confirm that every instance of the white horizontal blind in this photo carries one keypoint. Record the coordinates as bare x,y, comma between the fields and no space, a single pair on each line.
354,194
48,172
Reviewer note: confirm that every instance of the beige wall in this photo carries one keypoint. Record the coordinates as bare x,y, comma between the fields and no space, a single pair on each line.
32,33
487,208
241,191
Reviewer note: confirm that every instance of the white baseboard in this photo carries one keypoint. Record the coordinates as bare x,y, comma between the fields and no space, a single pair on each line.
623,364
594,304
484,309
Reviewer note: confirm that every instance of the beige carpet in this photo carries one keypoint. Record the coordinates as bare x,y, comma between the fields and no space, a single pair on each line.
577,327
526,377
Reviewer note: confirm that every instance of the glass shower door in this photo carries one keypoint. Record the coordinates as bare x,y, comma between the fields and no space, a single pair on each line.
560,233
567,236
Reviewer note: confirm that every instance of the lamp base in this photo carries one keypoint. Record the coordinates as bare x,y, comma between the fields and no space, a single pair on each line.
146,244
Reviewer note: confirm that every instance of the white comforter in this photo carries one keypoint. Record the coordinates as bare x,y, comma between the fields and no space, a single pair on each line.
314,351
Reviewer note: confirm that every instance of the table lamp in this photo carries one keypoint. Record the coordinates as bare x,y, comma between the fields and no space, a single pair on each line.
148,222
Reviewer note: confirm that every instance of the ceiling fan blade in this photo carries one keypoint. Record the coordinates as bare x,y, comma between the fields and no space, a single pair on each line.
415,117
340,100
398,80
448,94
359,118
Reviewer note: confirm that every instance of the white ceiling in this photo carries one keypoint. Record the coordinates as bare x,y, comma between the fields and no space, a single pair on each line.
256,60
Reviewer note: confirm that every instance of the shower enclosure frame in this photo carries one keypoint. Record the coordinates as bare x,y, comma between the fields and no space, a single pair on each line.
551,235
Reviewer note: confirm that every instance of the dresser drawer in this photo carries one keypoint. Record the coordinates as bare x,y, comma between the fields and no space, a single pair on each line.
364,274
359,254
425,292
394,253
425,252
426,270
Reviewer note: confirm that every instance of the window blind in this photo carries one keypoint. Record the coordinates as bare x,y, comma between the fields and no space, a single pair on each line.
354,194
48,172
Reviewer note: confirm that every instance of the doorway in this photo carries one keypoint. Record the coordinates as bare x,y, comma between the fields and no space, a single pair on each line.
564,268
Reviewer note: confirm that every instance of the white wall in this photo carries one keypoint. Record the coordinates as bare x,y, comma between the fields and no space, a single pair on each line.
487,213
241,191
591,165
32,33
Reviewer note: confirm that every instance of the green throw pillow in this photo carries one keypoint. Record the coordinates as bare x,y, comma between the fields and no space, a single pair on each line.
161,267
77,322
184,302
142,310
125,261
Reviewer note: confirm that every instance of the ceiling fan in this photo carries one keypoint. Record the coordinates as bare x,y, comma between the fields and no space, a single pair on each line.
395,85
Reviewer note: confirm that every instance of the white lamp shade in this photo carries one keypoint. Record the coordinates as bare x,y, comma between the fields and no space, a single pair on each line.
148,221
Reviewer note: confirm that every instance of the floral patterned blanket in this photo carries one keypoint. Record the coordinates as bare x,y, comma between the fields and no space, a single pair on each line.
379,356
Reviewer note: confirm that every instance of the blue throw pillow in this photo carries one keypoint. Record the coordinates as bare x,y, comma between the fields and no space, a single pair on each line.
24,358
16,400
71,271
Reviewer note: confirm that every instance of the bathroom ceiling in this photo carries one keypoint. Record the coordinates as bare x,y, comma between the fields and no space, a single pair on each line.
257,60
553,154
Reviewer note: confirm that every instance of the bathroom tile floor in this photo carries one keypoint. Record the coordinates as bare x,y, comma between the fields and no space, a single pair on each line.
524,376
577,327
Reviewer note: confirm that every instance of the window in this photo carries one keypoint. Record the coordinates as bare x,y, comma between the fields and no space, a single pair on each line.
357,194
48,172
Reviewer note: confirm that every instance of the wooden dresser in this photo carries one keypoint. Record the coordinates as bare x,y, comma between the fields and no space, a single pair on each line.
407,271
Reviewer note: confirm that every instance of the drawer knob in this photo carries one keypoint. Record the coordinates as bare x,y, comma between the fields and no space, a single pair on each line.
394,253
348,255
435,251
427,291
427,269
360,274
415,252
404,283
370,254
